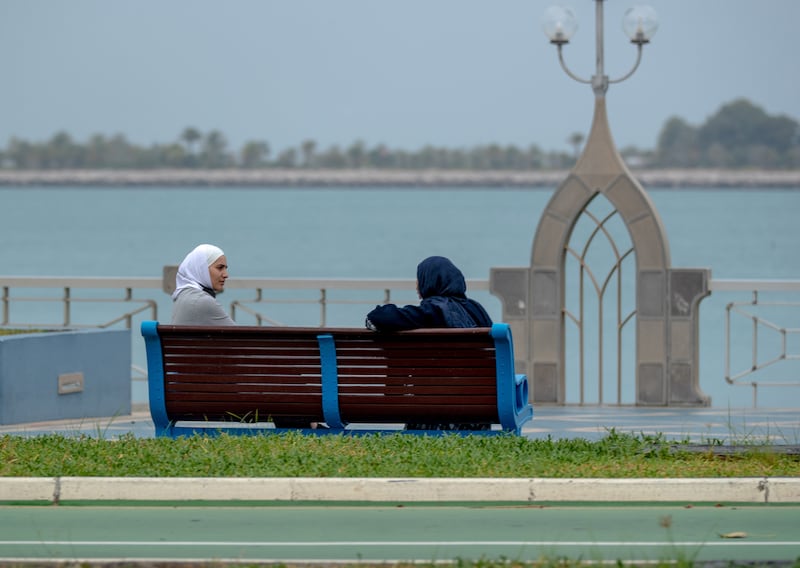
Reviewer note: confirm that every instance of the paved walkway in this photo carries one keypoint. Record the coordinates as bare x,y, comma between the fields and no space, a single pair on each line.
325,535
698,425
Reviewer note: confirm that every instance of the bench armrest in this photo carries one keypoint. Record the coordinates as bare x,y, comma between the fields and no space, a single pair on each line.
513,406
155,377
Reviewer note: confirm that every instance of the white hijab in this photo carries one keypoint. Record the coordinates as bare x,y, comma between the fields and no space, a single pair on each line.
193,271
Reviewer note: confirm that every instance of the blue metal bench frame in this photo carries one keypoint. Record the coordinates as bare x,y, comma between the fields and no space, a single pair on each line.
513,406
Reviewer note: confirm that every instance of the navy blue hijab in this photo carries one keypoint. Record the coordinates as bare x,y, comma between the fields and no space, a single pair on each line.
442,284
444,302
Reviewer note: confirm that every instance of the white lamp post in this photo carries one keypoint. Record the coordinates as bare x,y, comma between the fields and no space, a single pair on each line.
640,24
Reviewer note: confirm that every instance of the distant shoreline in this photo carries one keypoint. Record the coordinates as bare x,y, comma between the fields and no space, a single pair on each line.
384,178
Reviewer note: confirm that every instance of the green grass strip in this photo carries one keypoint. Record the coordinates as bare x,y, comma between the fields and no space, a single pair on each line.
396,455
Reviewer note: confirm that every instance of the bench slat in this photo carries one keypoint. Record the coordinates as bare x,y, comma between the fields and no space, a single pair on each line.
417,390
218,370
414,413
269,391
233,400
346,349
274,379
272,385
218,351
411,362
409,374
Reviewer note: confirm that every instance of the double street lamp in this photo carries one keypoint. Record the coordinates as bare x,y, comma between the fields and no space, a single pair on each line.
640,24
559,24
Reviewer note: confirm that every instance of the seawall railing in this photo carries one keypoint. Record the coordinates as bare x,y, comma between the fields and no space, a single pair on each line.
770,313
767,310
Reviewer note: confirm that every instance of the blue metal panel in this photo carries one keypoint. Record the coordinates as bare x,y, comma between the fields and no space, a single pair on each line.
155,379
31,364
330,381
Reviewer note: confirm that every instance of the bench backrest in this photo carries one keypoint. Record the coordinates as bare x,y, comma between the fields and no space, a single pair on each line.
295,376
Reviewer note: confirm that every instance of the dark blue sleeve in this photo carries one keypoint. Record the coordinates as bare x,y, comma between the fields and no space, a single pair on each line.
390,317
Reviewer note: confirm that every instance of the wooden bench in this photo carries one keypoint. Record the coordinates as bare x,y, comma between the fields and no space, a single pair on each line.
236,379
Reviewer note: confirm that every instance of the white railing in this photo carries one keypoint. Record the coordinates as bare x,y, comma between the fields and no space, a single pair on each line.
321,292
113,301
761,318
67,285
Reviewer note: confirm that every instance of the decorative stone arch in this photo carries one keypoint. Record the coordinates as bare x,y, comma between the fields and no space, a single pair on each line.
666,299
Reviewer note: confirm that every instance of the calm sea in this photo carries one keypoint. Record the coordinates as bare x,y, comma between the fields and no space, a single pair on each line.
383,233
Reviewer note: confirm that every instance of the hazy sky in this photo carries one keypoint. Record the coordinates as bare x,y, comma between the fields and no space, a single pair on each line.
454,73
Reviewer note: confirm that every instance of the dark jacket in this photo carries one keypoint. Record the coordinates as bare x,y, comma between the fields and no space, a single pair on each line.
444,302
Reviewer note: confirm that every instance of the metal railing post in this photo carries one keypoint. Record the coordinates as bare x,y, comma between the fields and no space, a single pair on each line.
5,305
728,377
259,297
128,316
323,307
67,307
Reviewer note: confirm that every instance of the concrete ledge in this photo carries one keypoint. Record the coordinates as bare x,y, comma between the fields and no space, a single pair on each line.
523,490
28,488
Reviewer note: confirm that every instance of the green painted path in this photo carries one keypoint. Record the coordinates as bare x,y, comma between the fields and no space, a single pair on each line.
364,533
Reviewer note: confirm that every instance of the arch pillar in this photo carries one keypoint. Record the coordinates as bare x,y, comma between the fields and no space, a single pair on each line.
667,299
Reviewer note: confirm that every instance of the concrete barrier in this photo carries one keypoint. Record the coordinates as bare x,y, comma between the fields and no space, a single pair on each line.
65,374
754,490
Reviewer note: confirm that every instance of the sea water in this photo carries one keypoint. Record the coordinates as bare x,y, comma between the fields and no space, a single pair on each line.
383,233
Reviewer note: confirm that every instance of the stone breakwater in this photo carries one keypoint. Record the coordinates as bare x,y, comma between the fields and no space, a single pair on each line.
385,178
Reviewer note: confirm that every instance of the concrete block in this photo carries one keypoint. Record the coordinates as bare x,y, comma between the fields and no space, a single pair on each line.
65,375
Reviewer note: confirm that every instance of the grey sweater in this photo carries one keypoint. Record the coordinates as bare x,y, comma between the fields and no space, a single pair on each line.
197,307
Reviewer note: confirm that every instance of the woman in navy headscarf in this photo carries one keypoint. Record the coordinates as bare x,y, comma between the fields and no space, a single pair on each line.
442,288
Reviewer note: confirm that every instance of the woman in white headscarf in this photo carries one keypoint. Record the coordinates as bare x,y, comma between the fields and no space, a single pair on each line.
201,276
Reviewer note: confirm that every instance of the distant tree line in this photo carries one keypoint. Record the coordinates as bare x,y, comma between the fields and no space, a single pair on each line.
739,135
